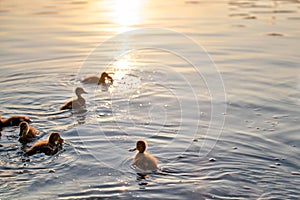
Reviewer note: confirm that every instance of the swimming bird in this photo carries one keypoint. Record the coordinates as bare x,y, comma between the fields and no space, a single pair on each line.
104,79
143,160
13,120
77,102
50,147
27,133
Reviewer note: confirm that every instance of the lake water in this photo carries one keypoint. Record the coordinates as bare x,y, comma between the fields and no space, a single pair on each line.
213,86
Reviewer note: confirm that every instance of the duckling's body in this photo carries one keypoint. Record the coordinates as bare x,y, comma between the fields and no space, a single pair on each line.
13,120
104,79
143,160
27,133
50,147
93,79
77,102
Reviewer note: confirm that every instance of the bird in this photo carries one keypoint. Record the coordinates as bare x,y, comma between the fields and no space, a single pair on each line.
104,79
13,120
50,147
143,160
27,133
77,102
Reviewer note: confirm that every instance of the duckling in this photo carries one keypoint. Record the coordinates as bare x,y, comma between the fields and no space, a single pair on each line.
143,160
77,102
50,147
27,133
96,80
13,120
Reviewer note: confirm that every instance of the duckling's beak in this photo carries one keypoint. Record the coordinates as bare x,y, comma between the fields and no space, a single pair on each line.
60,141
132,149
84,92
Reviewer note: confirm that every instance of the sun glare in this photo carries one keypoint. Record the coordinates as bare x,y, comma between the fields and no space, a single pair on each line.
126,13
122,66
122,73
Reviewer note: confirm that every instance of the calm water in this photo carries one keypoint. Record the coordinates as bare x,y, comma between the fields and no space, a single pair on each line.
48,47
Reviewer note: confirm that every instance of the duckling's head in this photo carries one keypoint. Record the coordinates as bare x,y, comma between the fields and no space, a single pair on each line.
80,90
26,119
104,75
55,138
141,146
24,126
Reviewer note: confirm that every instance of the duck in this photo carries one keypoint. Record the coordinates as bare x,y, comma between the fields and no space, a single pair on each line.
27,133
143,160
104,79
50,147
13,120
77,102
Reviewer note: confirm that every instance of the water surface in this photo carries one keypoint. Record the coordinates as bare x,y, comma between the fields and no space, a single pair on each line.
255,44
